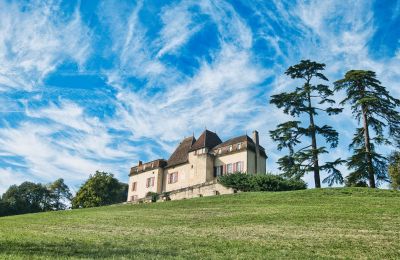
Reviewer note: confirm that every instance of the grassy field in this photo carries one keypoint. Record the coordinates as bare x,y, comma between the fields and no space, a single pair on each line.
327,223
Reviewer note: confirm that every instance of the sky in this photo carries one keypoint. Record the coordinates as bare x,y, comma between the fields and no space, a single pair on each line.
99,85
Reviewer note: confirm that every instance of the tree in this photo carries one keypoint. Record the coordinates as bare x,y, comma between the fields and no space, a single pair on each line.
372,105
26,198
394,170
100,189
299,103
60,194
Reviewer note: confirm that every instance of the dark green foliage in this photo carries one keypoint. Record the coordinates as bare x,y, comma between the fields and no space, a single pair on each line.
26,198
307,100
154,196
394,170
377,111
260,182
34,197
99,190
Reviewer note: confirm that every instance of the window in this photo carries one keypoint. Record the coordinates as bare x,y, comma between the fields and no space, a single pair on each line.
230,148
134,198
229,168
239,166
152,165
239,146
217,171
150,182
172,177
219,150
134,186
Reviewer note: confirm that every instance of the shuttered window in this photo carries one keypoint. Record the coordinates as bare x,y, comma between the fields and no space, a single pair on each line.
150,182
172,177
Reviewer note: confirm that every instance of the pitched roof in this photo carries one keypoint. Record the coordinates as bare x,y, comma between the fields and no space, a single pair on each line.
180,155
207,139
243,138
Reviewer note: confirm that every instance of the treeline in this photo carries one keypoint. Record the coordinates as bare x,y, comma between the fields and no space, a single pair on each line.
375,112
100,189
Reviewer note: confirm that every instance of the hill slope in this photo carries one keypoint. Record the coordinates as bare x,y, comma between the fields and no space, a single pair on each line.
346,223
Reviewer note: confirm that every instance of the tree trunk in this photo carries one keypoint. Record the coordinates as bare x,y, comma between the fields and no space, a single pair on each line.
317,179
371,175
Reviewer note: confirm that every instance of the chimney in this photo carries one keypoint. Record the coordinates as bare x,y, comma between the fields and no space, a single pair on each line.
257,148
140,163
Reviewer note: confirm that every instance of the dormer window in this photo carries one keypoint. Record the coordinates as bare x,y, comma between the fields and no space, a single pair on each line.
230,148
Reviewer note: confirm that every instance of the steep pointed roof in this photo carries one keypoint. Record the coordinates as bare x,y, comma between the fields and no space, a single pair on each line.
180,155
207,139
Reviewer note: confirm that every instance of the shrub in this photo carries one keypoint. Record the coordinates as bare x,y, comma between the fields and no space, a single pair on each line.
153,196
260,182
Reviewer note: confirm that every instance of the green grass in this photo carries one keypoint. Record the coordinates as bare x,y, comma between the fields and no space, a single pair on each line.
327,223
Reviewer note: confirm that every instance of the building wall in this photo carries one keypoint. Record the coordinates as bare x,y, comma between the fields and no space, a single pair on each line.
198,170
232,158
141,179
261,163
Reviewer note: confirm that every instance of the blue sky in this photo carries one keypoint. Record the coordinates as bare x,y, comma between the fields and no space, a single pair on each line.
98,85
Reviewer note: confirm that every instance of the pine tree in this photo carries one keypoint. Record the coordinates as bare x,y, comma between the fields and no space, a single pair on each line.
377,110
306,100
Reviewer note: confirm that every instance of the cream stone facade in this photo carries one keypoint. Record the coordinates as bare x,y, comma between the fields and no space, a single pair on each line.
192,170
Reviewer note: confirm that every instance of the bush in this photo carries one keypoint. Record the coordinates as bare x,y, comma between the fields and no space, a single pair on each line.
260,182
153,196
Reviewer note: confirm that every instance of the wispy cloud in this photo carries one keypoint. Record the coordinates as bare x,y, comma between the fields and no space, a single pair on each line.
34,39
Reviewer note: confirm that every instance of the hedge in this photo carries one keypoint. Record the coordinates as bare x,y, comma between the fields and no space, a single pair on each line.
260,182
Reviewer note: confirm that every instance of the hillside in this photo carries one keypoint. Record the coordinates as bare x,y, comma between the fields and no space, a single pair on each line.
345,223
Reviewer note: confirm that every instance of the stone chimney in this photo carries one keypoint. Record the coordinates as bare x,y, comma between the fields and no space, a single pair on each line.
140,163
257,148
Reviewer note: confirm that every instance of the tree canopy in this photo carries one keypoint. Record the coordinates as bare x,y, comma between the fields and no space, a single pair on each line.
377,111
394,170
305,103
99,190
30,197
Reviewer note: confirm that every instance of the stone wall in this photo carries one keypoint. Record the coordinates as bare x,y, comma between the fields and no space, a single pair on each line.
202,190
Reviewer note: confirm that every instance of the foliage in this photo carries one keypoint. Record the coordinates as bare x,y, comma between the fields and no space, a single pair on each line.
394,170
260,182
372,105
306,100
153,195
248,225
99,190
60,194
34,197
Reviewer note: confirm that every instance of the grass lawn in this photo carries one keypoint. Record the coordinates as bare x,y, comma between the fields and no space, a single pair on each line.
327,223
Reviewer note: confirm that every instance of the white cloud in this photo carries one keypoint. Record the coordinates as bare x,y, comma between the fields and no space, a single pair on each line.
178,27
34,40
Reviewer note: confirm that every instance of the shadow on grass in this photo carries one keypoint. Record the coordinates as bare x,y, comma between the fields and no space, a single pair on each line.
80,250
